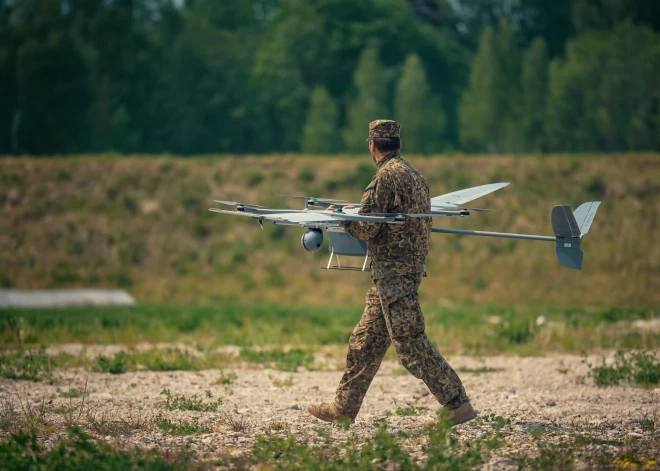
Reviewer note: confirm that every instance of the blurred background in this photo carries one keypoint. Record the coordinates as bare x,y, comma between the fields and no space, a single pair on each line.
121,121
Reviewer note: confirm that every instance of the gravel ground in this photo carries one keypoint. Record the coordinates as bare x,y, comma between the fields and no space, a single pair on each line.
549,394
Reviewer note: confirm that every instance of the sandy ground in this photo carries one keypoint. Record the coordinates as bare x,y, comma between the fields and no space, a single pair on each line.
552,394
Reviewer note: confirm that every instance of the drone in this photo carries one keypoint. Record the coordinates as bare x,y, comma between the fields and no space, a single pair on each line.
568,226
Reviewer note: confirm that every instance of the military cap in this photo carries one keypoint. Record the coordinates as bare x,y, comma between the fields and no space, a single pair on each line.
384,128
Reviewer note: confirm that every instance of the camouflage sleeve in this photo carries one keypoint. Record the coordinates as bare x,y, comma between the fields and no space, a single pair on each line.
377,198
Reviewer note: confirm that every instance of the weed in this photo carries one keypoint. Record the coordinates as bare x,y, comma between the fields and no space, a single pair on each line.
411,409
130,203
283,383
120,363
71,393
307,175
279,359
24,451
194,402
238,422
254,178
641,368
277,426
33,365
226,380
480,370
182,427
138,418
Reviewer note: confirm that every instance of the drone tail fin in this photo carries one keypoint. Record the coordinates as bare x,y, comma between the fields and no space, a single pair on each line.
569,227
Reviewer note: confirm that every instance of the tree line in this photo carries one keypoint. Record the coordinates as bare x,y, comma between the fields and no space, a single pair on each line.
253,76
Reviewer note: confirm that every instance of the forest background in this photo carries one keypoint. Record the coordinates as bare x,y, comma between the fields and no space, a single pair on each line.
280,76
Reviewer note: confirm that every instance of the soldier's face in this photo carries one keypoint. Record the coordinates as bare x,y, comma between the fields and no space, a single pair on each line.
372,149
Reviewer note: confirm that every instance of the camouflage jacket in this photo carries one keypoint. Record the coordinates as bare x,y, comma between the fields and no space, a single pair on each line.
395,249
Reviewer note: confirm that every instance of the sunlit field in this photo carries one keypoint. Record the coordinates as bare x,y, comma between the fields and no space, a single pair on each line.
236,330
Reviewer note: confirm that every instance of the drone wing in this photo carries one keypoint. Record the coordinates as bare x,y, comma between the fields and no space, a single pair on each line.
313,218
457,198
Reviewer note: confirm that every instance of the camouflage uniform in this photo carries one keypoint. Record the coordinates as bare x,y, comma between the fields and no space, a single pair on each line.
398,258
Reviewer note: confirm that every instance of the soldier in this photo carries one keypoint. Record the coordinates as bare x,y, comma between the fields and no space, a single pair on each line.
392,314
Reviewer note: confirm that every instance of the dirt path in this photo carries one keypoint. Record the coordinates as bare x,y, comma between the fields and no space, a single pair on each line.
548,396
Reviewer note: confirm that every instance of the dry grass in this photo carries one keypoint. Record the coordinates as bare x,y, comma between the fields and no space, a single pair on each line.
142,223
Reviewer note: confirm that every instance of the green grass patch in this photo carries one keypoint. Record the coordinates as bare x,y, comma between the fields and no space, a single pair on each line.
641,368
411,409
480,370
279,359
80,452
194,402
181,427
31,364
464,329
157,359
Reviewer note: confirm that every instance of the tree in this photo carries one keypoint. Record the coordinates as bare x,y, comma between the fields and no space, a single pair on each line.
479,107
419,112
490,109
605,94
534,90
320,132
370,102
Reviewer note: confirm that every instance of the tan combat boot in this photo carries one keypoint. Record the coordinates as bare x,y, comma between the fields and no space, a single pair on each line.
459,415
328,412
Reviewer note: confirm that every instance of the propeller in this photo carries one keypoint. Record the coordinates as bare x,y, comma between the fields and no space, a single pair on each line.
235,203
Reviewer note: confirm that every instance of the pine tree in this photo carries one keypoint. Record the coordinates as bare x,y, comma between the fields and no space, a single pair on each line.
369,104
489,112
534,90
478,112
320,130
422,119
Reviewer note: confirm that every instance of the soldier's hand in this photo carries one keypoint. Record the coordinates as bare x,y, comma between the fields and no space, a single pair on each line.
332,207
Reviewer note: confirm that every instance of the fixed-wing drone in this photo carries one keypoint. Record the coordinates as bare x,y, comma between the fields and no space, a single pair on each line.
569,226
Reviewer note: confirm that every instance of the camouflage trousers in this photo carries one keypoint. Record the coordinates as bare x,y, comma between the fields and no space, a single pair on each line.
393,315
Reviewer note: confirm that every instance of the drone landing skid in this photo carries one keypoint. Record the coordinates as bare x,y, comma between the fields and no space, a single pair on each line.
330,266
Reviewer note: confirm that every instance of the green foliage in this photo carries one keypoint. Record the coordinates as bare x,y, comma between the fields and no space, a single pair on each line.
599,94
120,363
419,110
370,102
279,359
307,175
481,370
226,379
411,409
642,368
192,403
181,427
534,80
79,452
489,108
32,365
461,329
319,134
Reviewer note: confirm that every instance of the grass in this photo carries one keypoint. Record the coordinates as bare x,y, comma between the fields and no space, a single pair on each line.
283,383
140,225
226,380
411,409
455,329
640,368
279,359
80,452
480,370
181,427
193,403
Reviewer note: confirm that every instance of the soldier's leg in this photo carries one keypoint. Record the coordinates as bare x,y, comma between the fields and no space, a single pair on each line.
366,348
405,322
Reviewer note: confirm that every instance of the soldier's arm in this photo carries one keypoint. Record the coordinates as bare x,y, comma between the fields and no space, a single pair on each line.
377,198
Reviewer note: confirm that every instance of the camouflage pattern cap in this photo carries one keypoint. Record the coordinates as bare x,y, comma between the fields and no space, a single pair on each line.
384,128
